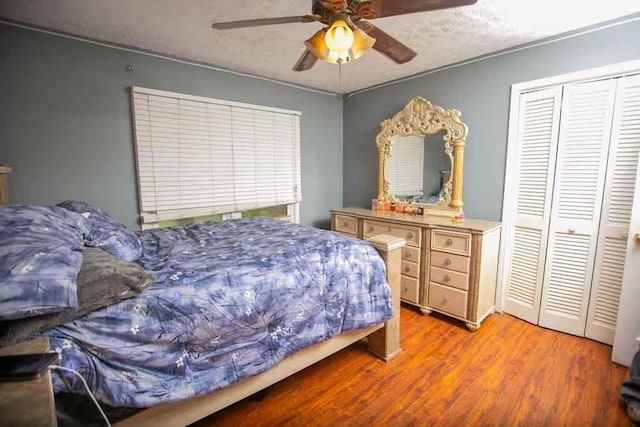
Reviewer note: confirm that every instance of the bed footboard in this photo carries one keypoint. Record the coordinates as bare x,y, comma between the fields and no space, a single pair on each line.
385,342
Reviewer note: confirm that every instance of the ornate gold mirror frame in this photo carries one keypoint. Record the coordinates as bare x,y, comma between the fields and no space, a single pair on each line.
420,117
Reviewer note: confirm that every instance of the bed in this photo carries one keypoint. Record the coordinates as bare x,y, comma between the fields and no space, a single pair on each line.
235,306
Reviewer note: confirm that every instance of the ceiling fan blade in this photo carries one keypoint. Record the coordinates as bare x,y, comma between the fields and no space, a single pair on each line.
306,61
264,21
382,8
387,45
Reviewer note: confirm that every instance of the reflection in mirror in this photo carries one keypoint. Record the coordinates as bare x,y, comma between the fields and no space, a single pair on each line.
404,167
417,168
437,168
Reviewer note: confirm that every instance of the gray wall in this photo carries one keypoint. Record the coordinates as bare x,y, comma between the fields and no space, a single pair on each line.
481,91
65,122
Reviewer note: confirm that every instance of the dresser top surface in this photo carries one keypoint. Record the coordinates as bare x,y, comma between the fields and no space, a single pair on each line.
478,225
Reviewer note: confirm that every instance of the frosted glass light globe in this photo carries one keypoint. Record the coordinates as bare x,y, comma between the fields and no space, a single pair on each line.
339,37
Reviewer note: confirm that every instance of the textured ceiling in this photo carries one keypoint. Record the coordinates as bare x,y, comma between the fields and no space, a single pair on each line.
183,29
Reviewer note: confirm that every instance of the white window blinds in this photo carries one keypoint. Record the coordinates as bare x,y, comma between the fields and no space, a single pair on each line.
206,156
404,173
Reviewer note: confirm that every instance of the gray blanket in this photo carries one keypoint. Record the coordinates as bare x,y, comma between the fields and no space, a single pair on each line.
102,281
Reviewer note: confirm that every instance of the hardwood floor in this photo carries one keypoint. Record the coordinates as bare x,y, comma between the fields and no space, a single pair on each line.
508,373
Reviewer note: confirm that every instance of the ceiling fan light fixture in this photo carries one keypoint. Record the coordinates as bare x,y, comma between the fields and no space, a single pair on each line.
338,57
362,42
317,45
339,37
343,40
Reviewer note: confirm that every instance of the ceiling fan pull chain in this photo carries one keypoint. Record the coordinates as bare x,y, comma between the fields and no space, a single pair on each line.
339,77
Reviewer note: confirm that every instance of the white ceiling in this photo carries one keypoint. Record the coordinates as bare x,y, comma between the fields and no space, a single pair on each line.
183,29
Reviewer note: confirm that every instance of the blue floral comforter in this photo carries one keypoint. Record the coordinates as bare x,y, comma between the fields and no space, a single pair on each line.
231,299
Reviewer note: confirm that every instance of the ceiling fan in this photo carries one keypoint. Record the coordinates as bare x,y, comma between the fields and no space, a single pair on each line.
347,34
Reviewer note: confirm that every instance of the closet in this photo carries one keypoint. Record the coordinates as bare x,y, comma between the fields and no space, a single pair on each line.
571,187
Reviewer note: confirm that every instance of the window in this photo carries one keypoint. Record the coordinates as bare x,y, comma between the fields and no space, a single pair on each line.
280,211
183,221
200,156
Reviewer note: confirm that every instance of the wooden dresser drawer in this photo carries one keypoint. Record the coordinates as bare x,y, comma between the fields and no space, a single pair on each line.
410,234
449,278
372,228
451,241
346,224
410,253
449,300
410,269
449,261
409,289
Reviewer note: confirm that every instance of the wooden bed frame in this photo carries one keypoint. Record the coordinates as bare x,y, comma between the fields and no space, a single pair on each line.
383,340
4,187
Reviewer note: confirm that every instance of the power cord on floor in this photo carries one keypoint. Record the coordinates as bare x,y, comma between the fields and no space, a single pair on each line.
62,368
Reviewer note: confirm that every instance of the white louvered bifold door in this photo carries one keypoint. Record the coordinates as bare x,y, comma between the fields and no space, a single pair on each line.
616,212
583,146
539,116
625,343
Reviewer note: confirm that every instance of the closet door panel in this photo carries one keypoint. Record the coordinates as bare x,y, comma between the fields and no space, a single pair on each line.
583,147
536,153
625,343
616,212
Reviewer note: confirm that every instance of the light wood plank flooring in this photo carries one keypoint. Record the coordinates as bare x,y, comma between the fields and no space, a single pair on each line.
509,373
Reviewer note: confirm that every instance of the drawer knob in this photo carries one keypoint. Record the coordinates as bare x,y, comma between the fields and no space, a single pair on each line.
447,261
447,277
346,224
444,301
370,228
407,255
407,269
448,242
409,235
405,289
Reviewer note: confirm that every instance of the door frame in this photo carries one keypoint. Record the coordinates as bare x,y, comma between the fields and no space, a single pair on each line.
509,200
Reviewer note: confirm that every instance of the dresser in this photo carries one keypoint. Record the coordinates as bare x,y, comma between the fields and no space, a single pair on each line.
448,267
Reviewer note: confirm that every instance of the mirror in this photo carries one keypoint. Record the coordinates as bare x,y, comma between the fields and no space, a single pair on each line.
419,169
420,156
